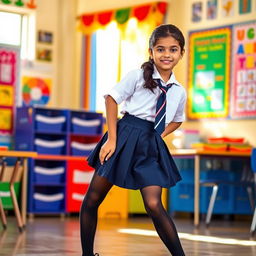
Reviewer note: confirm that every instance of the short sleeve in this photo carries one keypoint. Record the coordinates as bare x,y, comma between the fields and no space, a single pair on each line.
125,88
180,113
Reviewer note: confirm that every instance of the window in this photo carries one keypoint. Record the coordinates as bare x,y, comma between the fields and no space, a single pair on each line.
10,33
116,52
18,30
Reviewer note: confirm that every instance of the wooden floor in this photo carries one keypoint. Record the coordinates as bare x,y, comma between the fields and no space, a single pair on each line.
55,236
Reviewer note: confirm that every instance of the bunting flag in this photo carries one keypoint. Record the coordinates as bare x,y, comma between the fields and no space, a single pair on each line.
88,23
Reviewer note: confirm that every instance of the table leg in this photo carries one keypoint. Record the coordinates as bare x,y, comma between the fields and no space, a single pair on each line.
197,190
24,191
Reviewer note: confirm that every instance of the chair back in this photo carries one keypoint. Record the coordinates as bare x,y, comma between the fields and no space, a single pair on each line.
253,160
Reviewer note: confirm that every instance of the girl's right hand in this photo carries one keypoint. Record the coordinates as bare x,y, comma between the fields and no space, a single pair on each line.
107,150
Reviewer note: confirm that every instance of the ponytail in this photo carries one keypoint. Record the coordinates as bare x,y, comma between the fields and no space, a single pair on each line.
148,70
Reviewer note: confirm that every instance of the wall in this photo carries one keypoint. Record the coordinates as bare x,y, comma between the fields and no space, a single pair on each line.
58,17
180,14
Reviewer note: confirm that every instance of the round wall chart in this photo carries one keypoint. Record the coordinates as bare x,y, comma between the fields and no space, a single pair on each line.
35,92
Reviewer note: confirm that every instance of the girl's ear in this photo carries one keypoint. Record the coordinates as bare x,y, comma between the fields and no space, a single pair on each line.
182,53
150,53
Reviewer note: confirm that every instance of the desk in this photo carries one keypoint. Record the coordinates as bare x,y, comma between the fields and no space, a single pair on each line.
20,212
197,154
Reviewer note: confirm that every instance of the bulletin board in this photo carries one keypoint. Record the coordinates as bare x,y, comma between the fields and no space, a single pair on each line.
243,89
209,73
9,70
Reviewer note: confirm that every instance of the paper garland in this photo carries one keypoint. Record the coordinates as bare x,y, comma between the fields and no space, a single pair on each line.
28,4
88,23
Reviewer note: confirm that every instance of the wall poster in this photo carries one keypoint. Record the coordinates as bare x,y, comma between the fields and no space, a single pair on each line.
9,70
209,73
36,91
243,90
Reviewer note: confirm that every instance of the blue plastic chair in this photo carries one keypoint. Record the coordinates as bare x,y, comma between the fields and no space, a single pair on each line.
245,181
253,167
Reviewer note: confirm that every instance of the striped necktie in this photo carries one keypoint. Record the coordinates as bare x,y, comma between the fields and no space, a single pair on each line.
161,108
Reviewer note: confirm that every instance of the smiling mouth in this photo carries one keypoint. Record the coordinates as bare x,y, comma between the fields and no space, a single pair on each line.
166,61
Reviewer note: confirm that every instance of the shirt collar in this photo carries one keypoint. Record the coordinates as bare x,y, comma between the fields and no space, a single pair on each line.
172,79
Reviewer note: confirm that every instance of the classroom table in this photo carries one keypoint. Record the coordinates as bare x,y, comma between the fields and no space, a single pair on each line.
20,211
197,154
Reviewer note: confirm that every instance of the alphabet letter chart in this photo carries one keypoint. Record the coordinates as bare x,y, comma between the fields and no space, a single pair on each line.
243,86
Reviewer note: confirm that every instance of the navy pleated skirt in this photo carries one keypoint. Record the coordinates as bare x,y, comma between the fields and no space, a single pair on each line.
141,157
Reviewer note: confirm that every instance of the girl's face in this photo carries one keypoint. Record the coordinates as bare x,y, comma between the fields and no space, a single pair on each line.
166,54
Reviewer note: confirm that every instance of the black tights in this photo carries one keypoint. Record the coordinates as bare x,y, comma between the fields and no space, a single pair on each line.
98,190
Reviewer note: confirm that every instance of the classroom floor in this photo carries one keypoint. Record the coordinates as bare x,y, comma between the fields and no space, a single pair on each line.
56,236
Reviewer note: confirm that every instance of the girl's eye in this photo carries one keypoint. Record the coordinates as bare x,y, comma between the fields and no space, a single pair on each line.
174,50
160,49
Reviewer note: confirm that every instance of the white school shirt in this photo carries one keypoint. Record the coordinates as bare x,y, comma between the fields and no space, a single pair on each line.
141,102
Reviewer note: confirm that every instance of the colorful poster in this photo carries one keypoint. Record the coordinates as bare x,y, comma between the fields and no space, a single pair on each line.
245,6
9,83
36,91
227,8
209,73
243,90
211,9
8,63
197,11
6,95
6,119
43,54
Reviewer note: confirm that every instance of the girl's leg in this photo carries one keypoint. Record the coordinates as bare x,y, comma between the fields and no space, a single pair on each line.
162,221
96,193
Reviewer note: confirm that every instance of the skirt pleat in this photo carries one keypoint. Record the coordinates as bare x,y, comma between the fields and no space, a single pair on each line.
141,157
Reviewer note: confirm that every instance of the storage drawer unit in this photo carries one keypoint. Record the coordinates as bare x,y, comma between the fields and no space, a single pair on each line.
88,123
58,135
79,176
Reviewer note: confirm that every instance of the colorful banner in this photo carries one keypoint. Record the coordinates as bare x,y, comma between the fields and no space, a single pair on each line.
243,90
31,4
153,12
209,73
36,91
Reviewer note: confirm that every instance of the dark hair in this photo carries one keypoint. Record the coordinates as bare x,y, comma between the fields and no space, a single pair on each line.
161,31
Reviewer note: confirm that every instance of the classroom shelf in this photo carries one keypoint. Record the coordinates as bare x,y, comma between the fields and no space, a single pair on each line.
63,138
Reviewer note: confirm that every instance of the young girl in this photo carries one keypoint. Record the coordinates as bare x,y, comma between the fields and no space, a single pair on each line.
132,154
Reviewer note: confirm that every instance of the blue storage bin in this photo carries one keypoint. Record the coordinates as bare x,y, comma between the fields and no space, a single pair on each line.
49,203
184,164
241,201
50,147
81,149
49,175
50,123
182,197
84,126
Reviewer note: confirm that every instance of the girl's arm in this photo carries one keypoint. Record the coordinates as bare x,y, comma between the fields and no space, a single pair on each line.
170,128
109,146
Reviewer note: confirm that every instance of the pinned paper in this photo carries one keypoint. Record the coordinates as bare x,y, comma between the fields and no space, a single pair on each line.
6,95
